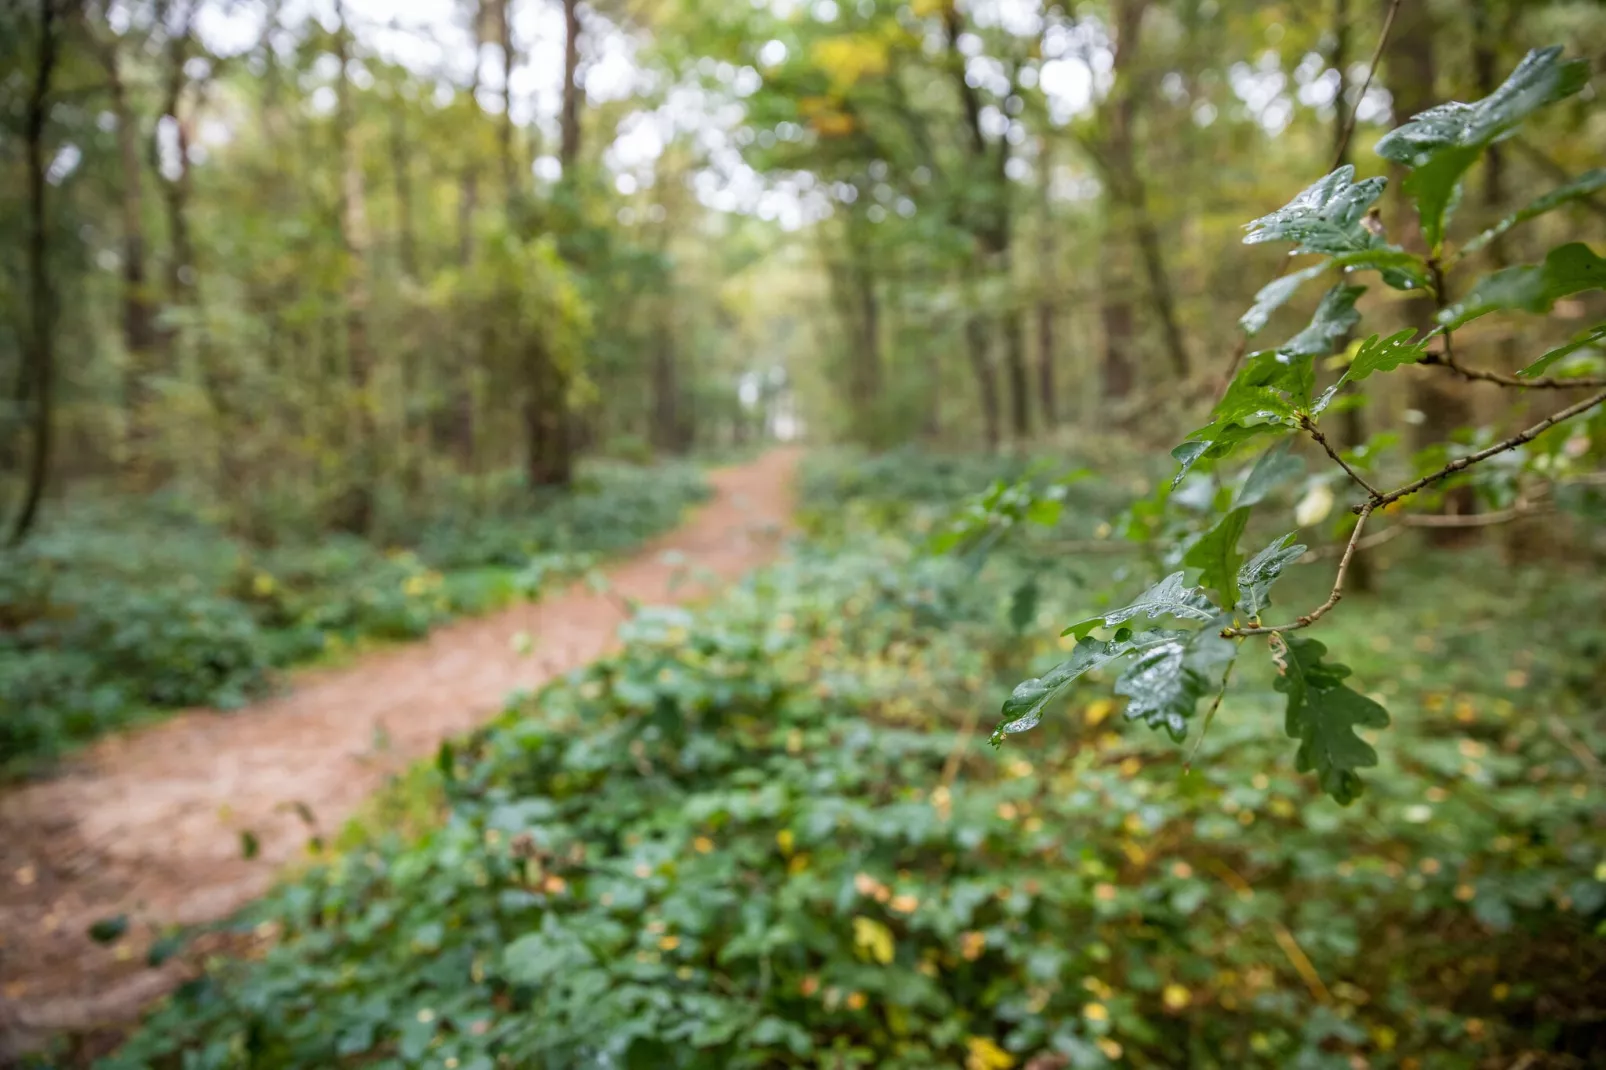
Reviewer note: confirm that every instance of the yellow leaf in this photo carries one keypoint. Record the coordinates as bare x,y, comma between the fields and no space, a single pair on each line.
1314,506
1096,1012
1097,711
873,940
986,1055
850,58
1175,997
784,840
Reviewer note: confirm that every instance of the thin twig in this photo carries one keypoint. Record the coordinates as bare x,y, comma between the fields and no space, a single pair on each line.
1483,455
1562,734
1321,440
1285,939
1332,599
1483,375
1371,70
1210,714
1338,157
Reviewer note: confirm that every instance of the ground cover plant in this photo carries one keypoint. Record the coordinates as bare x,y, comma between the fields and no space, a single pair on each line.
106,617
769,833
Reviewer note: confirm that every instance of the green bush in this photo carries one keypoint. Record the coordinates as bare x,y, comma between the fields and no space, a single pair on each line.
768,835
117,608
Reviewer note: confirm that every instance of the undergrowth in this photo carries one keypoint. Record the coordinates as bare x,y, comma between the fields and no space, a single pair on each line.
118,610
769,834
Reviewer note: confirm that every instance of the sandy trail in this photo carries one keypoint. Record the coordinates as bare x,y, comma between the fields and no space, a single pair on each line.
149,823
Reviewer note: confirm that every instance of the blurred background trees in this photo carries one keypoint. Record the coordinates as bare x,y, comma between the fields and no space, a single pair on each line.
307,262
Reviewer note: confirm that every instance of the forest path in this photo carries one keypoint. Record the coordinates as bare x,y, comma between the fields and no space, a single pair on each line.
150,824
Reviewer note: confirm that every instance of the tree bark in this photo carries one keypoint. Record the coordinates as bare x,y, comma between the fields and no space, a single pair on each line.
41,356
1127,182
138,313
510,179
176,190
569,145
989,228
401,165
1046,273
981,366
666,419
548,427
354,512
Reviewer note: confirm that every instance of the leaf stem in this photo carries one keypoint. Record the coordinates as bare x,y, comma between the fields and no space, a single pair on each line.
1321,440
1332,599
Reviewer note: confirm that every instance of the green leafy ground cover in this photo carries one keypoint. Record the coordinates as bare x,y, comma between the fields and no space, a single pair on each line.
116,611
770,834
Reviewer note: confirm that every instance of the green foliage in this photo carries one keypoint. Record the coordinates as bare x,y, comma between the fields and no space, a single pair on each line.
1323,714
1329,216
101,622
1592,338
734,843
1581,187
1271,396
1567,269
1443,142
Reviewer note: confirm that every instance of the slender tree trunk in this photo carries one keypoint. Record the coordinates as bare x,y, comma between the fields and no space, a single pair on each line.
401,165
1411,75
666,425
355,510
1116,315
1128,186
549,430
1046,273
510,178
1020,401
981,366
569,145
1352,421
138,314
41,356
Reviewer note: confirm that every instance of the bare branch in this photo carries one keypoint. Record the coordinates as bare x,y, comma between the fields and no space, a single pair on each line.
1309,425
1483,455
1482,375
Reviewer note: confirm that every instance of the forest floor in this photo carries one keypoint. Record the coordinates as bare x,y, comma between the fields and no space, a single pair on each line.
152,824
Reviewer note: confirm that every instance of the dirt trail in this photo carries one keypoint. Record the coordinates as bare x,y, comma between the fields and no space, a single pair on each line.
149,824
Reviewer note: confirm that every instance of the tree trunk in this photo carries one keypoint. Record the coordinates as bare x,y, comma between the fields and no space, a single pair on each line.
1352,421
138,331
41,356
548,430
981,366
354,512
510,178
1127,182
1020,401
666,420
1045,300
401,166
1116,316
1411,76
569,145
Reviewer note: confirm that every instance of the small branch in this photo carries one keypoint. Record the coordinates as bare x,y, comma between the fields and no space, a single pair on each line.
1371,70
1332,600
1321,440
1482,375
1483,455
